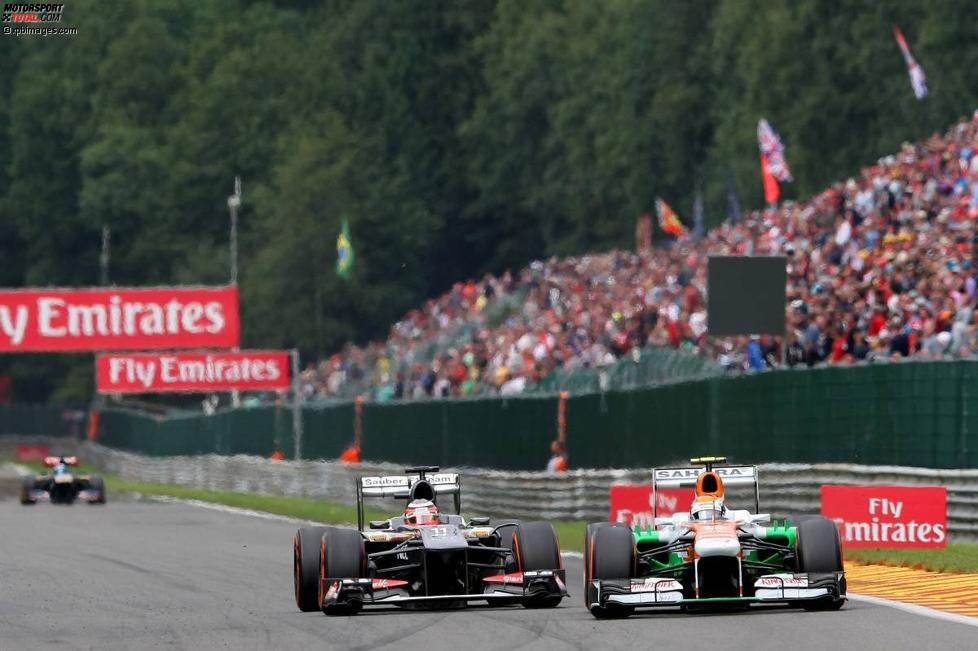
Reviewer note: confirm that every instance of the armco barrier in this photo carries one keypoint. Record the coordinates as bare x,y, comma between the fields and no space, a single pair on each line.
576,495
901,413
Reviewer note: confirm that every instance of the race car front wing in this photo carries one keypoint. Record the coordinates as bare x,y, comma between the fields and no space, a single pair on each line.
519,585
769,588
83,495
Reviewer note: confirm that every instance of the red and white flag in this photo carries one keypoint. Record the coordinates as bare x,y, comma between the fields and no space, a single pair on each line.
918,80
774,167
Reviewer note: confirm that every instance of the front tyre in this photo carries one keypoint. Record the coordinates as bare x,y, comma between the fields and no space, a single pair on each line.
341,555
536,548
97,485
609,553
820,552
26,490
305,563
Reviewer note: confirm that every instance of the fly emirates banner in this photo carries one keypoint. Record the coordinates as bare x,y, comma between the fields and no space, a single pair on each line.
155,318
192,371
888,516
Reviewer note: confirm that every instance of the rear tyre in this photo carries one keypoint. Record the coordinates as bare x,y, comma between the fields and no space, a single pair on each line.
26,487
609,553
820,551
305,562
97,485
536,548
341,555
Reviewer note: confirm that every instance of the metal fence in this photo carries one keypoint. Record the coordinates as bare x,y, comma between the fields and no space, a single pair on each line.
912,413
576,495
18,419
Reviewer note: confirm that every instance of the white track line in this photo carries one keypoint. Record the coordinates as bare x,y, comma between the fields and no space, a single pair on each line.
201,504
923,611
915,609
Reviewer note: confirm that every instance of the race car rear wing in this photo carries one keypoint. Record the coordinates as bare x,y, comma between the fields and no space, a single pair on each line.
419,484
53,461
686,478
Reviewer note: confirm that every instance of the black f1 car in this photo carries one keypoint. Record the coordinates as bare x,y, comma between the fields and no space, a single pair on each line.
425,557
61,486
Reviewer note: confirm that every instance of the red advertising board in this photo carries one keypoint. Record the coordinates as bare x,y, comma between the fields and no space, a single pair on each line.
632,503
31,452
118,318
888,516
192,371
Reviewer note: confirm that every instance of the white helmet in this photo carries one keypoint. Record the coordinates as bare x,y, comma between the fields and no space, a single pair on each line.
707,508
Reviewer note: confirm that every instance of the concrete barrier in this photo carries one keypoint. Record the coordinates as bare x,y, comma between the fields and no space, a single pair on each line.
575,495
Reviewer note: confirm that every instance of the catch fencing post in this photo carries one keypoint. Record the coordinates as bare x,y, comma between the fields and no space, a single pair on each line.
296,405
234,202
562,417
358,422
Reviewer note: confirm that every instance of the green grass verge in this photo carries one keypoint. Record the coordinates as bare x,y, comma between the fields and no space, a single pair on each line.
305,508
570,533
956,557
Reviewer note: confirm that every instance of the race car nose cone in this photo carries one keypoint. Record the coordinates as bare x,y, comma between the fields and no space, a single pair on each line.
717,546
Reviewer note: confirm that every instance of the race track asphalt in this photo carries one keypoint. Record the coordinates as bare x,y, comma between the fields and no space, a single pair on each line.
140,574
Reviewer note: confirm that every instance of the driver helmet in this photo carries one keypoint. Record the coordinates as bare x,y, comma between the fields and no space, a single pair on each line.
61,467
421,512
708,508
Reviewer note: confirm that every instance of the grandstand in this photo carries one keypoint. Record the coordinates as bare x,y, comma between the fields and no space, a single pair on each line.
879,267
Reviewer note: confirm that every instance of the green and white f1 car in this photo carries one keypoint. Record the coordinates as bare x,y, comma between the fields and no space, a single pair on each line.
712,554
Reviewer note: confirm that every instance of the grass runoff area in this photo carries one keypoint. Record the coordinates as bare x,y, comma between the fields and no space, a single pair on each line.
956,557
571,534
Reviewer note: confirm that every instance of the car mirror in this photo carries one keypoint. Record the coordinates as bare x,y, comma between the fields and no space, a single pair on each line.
479,522
380,524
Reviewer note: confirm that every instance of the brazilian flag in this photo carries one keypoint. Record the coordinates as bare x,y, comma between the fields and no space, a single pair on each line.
344,253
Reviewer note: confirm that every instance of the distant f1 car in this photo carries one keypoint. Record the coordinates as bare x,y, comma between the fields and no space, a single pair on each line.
712,554
425,557
62,486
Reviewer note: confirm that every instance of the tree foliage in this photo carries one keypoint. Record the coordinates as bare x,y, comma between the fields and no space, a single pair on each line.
456,138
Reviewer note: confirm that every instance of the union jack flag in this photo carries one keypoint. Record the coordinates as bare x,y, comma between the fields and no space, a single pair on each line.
772,151
918,80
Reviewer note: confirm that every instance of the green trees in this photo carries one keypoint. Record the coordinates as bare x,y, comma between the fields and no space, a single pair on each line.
456,138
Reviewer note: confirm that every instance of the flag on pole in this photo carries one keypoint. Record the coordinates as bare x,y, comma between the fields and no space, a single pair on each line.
774,167
733,203
344,253
668,221
918,80
699,214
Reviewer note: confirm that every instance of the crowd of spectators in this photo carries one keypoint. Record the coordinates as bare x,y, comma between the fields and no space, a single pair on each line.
880,266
